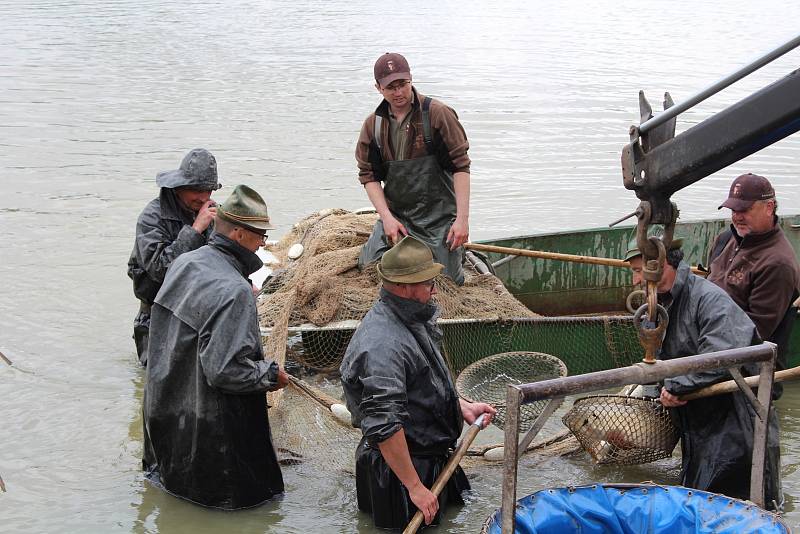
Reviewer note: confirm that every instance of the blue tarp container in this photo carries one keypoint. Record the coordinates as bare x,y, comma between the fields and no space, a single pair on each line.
636,509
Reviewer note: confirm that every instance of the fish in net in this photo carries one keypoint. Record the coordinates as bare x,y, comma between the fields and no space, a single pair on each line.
622,430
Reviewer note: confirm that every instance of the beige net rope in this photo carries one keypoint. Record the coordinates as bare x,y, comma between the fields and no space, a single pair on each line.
309,309
312,303
324,287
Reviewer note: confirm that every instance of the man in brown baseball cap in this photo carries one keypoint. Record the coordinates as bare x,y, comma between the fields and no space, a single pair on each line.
400,393
746,190
412,160
755,264
391,67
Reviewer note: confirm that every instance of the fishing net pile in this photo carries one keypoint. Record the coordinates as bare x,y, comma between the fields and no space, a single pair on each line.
324,289
312,303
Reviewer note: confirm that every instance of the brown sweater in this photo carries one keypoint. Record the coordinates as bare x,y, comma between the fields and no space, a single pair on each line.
761,274
449,140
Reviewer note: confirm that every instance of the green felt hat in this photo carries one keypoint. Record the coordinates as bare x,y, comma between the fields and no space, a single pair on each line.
408,262
633,249
244,207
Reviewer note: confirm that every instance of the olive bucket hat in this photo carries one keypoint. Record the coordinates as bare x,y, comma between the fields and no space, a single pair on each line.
408,262
633,248
244,207
198,170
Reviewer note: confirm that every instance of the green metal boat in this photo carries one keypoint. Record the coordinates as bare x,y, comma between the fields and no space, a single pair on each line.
586,323
584,320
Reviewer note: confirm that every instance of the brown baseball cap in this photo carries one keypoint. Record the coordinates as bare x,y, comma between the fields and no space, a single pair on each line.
390,67
747,189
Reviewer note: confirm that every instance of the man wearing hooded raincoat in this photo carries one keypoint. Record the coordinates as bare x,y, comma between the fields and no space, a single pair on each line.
412,160
207,435
401,394
178,221
716,432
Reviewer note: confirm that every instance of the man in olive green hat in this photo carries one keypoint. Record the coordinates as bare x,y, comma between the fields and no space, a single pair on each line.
716,432
178,221
401,394
206,430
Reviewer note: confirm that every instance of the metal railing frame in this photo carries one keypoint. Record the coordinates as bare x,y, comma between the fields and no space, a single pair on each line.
640,373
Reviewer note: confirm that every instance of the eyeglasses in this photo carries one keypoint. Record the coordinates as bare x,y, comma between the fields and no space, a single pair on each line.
262,236
395,86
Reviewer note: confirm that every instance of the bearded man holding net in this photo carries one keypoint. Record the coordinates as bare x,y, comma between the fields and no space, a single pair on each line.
399,391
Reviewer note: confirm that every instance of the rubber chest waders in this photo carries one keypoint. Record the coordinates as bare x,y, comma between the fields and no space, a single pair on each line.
420,194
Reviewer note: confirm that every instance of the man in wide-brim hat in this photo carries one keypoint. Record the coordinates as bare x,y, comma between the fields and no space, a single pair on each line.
716,432
206,430
400,393
178,221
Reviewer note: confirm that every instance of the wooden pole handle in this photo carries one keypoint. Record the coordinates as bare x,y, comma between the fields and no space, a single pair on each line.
448,471
318,396
730,386
594,260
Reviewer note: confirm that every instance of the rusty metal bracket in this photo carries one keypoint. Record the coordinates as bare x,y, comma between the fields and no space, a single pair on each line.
761,412
650,334
551,407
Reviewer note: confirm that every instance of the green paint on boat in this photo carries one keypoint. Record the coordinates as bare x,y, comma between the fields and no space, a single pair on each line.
557,288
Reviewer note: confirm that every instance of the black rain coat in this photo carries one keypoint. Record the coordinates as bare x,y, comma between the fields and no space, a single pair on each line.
163,232
716,432
207,435
394,376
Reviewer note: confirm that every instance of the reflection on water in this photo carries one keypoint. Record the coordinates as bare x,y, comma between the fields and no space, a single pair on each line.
97,97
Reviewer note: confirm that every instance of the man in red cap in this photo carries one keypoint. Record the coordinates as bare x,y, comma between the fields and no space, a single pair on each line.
417,147
755,264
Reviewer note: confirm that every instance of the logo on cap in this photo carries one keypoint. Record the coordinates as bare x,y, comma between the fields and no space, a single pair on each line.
737,190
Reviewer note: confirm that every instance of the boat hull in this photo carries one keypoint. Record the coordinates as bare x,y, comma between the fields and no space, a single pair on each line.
557,288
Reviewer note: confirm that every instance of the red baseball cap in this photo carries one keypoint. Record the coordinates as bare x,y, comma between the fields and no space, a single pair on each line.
390,67
747,189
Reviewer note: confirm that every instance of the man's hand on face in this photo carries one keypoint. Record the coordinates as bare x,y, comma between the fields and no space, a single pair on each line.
669,400
205,216
393,229
458,234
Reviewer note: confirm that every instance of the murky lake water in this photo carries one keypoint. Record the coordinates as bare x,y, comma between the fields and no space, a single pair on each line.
97,97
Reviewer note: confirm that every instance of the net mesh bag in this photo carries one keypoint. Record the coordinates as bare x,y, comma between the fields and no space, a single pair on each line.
486,381
622,430
311,305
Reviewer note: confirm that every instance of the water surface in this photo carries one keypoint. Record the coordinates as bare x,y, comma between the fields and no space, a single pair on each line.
97,97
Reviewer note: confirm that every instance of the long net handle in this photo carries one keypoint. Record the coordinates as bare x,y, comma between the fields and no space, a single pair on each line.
318,396
593,260
731,386
448,471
